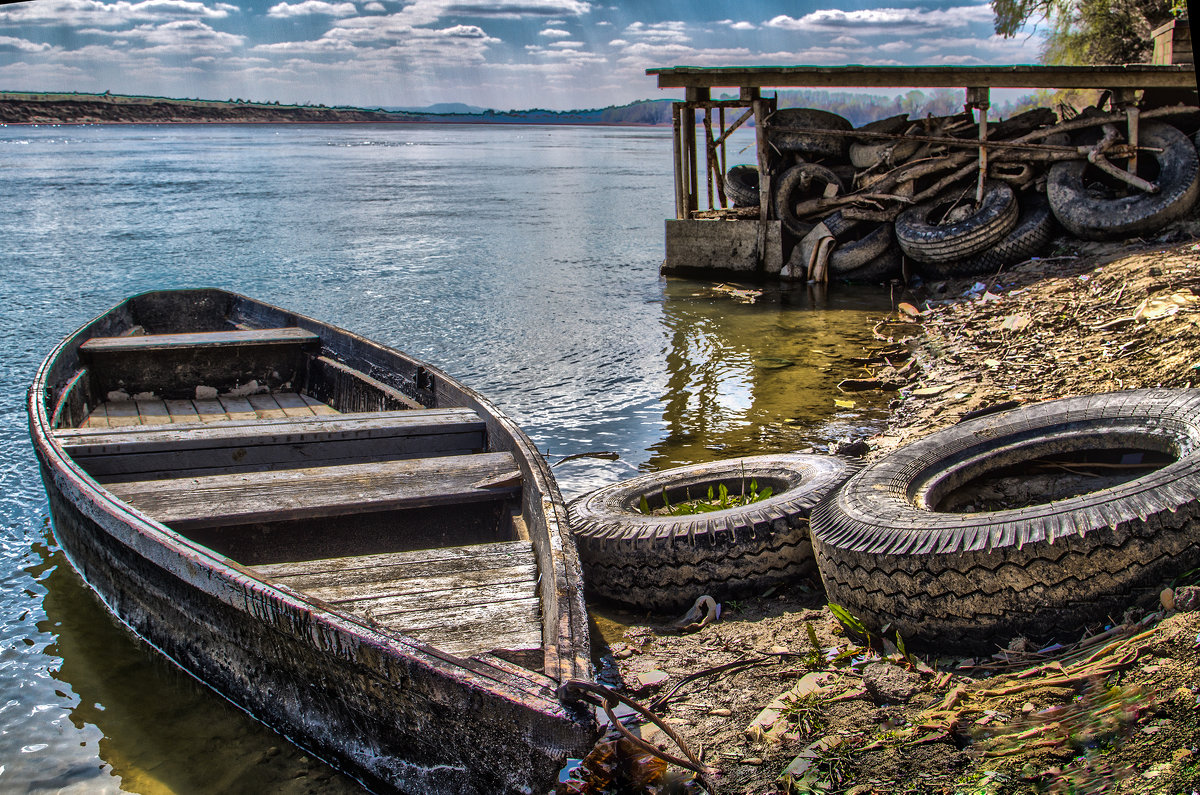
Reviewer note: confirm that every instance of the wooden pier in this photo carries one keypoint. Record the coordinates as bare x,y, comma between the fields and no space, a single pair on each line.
720,240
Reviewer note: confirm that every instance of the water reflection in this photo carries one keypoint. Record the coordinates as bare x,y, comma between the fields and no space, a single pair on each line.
756,378
161,730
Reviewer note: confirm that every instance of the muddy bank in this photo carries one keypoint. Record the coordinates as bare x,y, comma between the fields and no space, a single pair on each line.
781,697
99,110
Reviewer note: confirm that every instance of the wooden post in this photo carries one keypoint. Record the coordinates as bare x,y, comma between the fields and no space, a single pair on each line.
1125,99
759,107
980,98
721,159
692,95
709,156
680,162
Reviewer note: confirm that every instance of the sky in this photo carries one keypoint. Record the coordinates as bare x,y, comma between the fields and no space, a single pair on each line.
501,54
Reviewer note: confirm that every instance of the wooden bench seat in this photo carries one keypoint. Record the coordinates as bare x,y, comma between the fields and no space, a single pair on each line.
212,501
139,452
172,366
463,600
203,339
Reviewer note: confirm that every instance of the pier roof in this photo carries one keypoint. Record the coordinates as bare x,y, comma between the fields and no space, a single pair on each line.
1009,76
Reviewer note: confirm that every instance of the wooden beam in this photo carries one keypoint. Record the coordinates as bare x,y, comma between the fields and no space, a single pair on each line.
204,339
312,492
694,78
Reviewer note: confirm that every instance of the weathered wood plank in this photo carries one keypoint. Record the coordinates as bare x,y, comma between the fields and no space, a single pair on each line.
182,411
222,500
293,405
71,406
204,339
450,614
464,600
266,407
210,410
1004,76
122,412
186,450
238,408
152,412
487,555
96,418
394,605
317,406
396,582
473,630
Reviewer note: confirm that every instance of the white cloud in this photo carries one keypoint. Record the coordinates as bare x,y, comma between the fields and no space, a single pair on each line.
22,45
311,8
380,7
846,40
554,33
79,13
658,32
742,26
381,45
997,48
423,12
571,45
183,36
884,20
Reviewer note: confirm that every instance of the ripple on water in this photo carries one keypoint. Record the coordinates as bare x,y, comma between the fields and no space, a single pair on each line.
521,260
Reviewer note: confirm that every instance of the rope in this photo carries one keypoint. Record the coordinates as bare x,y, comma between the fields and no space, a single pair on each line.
601,696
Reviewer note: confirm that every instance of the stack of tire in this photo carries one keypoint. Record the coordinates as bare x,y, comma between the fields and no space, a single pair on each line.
901,543
951,235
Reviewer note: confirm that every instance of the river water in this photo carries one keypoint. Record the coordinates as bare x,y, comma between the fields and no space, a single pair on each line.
523,260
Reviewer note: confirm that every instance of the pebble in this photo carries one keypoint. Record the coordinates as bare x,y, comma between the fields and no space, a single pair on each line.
652,678
890,684
1028,707
752,760
623,654
1181,755
722,712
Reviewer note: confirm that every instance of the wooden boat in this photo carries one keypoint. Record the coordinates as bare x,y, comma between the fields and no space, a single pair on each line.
359,551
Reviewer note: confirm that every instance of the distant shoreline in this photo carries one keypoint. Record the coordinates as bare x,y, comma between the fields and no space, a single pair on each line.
87,109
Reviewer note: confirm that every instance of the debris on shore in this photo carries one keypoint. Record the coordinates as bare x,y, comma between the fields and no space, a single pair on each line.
786,695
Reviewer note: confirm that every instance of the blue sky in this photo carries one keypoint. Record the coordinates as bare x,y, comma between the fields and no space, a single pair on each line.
503,54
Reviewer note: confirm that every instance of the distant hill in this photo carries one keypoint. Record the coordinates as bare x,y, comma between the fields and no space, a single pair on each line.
76,108
438,108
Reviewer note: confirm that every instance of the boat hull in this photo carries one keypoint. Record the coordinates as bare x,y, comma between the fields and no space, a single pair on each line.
392,711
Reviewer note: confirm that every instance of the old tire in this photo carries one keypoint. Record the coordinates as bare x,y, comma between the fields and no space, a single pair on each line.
888,265
865,243
800,182
870,152
741,185
664,563
1086,209
923,238
798,139
970,581
1028,238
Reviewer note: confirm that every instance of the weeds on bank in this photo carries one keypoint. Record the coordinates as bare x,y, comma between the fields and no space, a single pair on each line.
718,500
1086,729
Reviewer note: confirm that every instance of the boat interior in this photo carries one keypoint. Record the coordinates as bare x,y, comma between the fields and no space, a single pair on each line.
266,446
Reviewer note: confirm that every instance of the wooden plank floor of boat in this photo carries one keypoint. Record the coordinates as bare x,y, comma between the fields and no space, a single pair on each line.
463,600
155,411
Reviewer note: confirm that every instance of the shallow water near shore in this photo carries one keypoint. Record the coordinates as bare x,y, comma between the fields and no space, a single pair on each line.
521,260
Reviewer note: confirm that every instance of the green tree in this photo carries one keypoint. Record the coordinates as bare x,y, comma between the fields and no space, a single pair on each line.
1088,31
